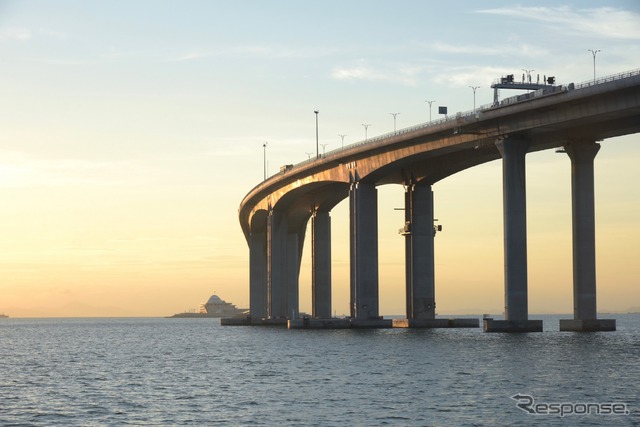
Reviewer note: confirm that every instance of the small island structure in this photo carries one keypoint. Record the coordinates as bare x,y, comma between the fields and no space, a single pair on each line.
215,307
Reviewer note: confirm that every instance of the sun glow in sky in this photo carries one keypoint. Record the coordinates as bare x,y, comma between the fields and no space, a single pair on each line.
131,130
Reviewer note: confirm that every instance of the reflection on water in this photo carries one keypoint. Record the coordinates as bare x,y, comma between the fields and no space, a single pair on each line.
195,372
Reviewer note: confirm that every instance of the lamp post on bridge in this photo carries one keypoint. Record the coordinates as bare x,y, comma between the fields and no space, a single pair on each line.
366,126
323,147
308,155
264,159
528,73
473,88
394,120
342,137
317,150
594,52
430,102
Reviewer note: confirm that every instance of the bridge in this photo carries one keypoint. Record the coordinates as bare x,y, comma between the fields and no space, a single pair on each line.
274,215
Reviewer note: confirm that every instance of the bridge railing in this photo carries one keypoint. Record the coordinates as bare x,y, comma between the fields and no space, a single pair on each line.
609,78
470,114
459,116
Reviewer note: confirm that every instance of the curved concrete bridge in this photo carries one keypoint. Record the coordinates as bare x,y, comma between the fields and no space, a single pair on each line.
274,214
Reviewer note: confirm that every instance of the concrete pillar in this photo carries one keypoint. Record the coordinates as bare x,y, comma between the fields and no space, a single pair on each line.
277,264
408,265
584,229
582,156
516,312
293,275
363,214
321,265
420,252
513,151
258,275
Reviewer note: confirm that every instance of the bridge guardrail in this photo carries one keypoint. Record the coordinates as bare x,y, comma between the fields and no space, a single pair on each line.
610,78
464,116
471,113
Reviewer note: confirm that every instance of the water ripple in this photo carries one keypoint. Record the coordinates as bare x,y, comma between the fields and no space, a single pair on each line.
65,372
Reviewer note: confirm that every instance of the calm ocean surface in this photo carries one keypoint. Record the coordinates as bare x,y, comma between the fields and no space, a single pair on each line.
163,372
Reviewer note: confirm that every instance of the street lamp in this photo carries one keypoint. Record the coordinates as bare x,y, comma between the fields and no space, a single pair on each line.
394,120
594,52
473,88
366,126
317,151
323,146
430,102
264,159
342,137
308,155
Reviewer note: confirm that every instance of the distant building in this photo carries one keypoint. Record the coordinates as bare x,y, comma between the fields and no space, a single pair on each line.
216,307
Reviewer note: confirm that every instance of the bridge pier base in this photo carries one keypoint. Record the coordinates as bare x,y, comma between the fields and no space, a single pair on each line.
491,325
461,322
363,228
582,157
321,265
516,314
419,252
587,325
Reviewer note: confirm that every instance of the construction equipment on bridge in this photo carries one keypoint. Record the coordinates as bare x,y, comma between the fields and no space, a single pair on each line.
508,82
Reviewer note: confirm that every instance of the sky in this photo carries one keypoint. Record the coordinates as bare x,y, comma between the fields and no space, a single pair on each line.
131,130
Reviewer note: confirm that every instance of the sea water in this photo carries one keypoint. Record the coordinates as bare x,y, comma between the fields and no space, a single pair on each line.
163,372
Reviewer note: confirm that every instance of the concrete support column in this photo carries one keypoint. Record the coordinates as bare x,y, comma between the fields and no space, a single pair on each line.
277,264
321,265
258,275
408,265
584,229
420,252
516,313
363,215
582,157
293,275
513,151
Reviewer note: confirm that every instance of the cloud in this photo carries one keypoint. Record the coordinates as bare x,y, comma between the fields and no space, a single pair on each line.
18,170
509,50
190,56
604,22
398,73
357,73
22,34
253,51
16,34
469,76
64,61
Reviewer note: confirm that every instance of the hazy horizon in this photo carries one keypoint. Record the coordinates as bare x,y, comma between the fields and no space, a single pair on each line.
131,131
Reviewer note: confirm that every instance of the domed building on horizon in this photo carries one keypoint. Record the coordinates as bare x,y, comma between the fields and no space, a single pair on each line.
217,307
